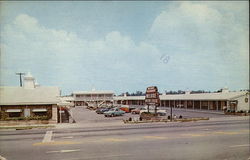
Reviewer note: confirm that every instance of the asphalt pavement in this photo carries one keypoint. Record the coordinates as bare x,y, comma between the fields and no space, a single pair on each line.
108,138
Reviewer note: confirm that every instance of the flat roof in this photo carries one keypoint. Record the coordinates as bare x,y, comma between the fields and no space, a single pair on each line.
93,92
197,96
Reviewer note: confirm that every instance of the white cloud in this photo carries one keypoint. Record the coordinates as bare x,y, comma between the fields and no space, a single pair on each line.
31,45
207,43
209,36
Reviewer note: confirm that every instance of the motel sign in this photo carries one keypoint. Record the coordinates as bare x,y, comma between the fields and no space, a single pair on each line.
152,96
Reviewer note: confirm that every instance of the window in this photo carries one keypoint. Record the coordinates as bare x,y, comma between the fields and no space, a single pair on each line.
40,113
14,114
246,100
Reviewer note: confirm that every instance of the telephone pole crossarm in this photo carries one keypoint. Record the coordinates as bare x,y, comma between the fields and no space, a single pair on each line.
20,75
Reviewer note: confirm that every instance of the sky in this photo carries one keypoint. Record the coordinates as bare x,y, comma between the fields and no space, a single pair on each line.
126,46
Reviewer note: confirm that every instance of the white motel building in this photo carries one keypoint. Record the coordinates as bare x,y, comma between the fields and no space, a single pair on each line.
93,98
219,101
238,100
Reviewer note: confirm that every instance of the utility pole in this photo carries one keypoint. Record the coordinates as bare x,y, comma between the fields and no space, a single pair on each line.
20,75
171,117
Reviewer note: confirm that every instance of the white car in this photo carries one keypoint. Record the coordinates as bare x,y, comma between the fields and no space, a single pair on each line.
160,112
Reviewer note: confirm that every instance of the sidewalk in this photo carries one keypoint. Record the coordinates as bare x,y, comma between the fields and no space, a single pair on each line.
198,111
115,123
89,125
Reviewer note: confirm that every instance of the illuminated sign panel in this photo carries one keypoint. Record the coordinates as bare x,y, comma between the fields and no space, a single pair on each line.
152,96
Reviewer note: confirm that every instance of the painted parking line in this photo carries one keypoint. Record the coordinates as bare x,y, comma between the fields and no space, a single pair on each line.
194,135
2,158
56,143
100,157
64,151
241,145
154,137
114,140
70,137
47,137
226,133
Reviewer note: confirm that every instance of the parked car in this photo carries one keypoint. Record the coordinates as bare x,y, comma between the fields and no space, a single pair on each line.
125,108
114,112
135,111
101,110
160,112
145,109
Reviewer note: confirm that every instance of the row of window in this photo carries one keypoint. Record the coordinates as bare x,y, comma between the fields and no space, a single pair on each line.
89,96
17,112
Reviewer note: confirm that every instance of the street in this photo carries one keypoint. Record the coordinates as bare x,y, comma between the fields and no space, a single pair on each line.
217,139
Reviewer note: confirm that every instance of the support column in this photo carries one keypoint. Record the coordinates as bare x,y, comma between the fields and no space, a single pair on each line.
200,105
54,114
217,105
174,103
228,107
193,104
208,105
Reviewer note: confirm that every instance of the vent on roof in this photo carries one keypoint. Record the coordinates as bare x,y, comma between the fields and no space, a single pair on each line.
187,92
29,81
225,90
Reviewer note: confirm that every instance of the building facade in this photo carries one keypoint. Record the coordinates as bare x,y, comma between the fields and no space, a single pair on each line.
30,102
225,100
93,98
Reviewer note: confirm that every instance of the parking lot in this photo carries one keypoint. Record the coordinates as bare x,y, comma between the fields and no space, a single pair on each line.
83,115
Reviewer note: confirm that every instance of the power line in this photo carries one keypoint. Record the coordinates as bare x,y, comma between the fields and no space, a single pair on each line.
20,75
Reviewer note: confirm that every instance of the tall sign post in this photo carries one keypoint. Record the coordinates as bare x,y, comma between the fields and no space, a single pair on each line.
152,97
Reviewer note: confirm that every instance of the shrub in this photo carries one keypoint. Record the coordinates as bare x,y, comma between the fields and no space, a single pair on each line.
15,118
28,118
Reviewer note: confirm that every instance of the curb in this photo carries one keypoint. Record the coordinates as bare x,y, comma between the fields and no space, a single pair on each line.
176,120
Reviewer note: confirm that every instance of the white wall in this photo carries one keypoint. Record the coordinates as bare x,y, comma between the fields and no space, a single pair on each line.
242,104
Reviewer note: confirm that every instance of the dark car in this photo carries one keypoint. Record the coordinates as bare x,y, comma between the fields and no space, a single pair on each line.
101,110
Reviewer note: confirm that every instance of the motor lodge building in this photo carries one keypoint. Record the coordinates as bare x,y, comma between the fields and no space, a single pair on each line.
93,98
30,101
220,101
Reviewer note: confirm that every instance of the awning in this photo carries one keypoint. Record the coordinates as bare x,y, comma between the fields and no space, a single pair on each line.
40,110
13,110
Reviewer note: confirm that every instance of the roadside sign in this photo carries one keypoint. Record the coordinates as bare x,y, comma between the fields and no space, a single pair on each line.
152,96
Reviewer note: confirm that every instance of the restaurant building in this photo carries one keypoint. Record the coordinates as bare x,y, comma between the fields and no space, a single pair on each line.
29,102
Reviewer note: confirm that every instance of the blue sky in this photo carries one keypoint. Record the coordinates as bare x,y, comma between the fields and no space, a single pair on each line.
126,46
